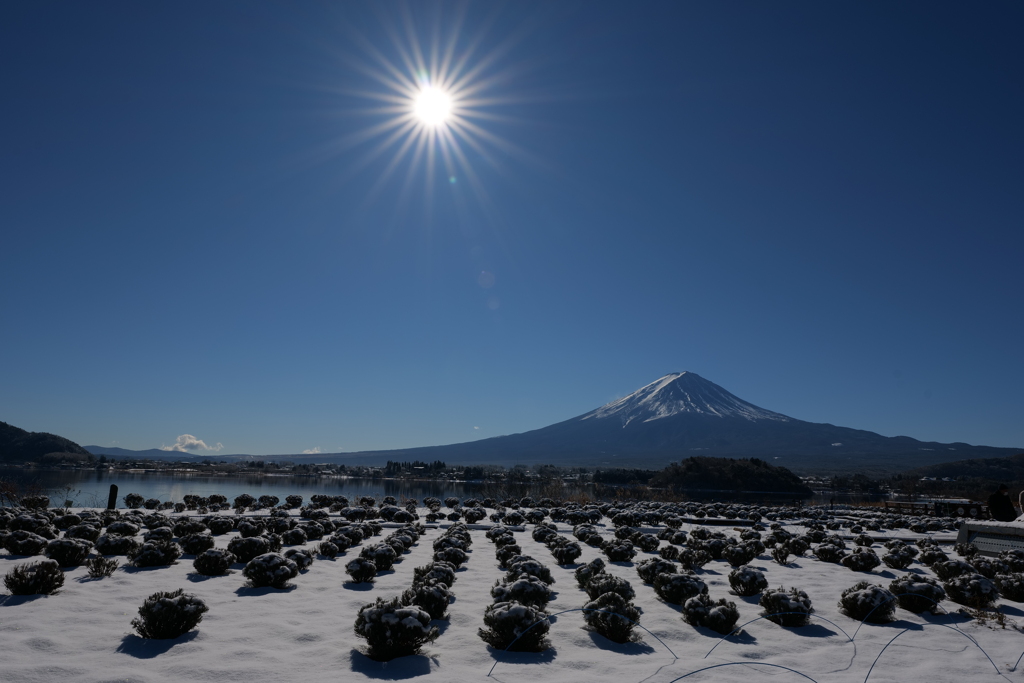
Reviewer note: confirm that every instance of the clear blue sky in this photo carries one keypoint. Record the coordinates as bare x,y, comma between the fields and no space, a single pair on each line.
817,206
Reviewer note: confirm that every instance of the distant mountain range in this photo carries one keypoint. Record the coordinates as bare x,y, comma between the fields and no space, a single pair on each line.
675,417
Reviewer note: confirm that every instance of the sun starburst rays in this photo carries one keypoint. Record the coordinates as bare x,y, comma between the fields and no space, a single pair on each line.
430,107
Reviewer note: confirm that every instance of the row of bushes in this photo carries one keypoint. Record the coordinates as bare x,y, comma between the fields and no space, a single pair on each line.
401,626
516,619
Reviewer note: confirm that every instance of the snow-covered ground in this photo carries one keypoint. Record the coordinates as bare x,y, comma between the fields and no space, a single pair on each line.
83,633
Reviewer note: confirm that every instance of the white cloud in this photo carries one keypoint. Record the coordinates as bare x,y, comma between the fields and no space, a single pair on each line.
476,428
312,451
187,442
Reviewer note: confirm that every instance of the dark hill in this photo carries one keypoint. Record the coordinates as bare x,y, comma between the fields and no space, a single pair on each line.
17,445
726,474
988,469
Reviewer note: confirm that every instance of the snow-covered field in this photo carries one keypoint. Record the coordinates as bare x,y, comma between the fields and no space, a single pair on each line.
83,633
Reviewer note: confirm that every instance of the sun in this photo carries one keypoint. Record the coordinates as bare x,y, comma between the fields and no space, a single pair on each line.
432,106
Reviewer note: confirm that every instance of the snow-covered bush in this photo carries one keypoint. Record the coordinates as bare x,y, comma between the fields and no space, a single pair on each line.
382,555
931,555
86,532
747,581
36,502
327,549
246,549
647,570
68,552
186,527
36,578
720,616
293,501
739,555
506,553
525,564
302,558
827,552
863,540
917,593
612,616
835,540
1013,559
67,521
361,570
113,544
134,501
786,608
542,533
393,630
973,590
602,583
566,553
861,560
798,545
513,519
716,546
100,567
517,627
646,542
155,554
504,540
693,558
431,596
526,590
966,550
898,558
669,552
270,569
989,566
22,542
865,601
296,536
474,515
442,572
451,542
213,562
678,588
163,533
169,615
586,572
950,568
780,553
123,528
195,544
1011,586
618,550
220,525
452,556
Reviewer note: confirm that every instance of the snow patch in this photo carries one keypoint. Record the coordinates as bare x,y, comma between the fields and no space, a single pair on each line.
680,393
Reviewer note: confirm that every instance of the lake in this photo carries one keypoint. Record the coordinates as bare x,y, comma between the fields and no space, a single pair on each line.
89,488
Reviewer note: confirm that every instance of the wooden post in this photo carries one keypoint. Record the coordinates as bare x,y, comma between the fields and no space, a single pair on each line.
112,499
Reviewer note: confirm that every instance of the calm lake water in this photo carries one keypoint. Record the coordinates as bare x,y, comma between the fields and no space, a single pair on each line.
89,488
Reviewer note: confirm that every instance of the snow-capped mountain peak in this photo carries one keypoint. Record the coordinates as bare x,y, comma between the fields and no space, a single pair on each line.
680,392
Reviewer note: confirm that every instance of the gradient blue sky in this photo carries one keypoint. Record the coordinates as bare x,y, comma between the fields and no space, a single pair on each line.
817,206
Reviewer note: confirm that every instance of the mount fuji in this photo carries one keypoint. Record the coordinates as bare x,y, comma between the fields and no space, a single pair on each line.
682,415
675,417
